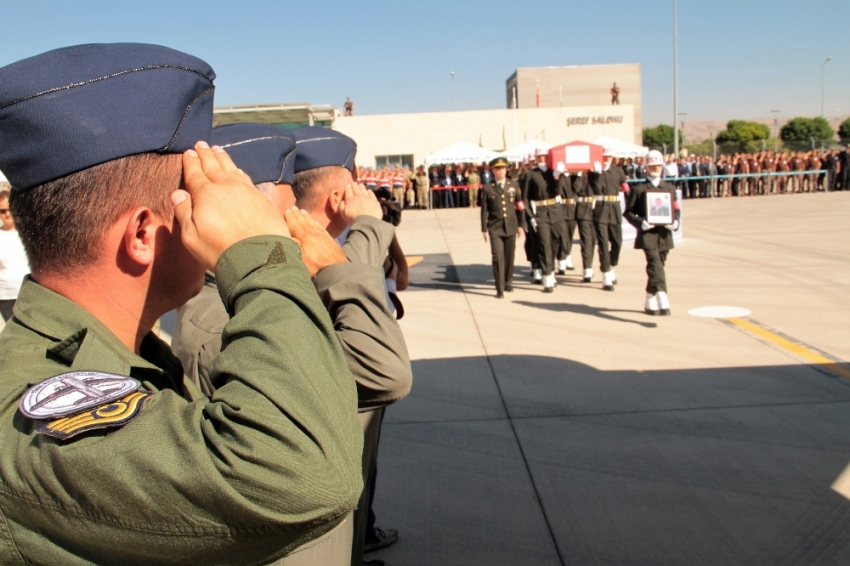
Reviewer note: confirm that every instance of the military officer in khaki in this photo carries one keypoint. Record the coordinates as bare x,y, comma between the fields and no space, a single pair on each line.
501,221
92,474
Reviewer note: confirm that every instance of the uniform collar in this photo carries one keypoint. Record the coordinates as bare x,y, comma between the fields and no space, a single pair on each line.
84,343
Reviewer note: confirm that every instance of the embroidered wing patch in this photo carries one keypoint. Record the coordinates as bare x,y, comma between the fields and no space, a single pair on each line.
115,414
74,392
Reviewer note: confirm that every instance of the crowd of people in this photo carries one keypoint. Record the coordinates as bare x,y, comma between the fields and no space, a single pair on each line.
697,176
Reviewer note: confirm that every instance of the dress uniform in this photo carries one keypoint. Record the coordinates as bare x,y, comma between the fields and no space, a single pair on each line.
655,241
501,220
608,219
565,244
164,474
531,235
543,207
580,185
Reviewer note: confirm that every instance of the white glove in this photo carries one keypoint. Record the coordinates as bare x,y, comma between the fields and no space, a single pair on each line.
646,226
673,227
597,167
534,224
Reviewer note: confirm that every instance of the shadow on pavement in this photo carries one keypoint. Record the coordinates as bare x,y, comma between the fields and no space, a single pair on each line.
592,311
679,467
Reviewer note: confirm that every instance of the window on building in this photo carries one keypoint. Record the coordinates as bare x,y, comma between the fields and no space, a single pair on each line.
393,160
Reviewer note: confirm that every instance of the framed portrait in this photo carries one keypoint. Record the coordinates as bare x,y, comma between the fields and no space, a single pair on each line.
659,207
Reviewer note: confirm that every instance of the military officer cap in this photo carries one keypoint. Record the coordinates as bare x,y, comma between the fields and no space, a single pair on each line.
319,147
499,162
73,108
264,152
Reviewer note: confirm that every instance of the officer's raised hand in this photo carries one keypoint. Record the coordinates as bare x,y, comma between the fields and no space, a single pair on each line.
318,249
220,206
359,201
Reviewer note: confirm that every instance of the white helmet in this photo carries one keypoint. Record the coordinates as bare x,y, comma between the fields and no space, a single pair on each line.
654,157
540,151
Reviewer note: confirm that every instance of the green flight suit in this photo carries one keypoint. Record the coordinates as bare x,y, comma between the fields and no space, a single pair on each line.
269,462
354,294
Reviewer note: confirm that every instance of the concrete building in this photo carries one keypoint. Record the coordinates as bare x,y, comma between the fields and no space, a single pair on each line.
575,104
388,139
578,85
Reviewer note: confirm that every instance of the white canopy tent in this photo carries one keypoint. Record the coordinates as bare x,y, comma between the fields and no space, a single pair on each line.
620,148
523,150
461,152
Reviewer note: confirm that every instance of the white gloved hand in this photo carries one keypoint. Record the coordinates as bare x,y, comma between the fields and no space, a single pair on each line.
673,227
646,226
597,167
534,223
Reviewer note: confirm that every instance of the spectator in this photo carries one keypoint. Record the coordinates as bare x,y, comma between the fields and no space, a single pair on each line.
13,259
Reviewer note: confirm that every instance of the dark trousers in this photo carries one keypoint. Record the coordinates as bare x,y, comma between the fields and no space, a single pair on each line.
547,234
448,198
830,179
6,308
610,238
530,246
657,280
565,242
502,249
370,422
463,198
587,237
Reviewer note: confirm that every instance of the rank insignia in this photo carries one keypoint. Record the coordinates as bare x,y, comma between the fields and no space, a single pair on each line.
115,414
74,392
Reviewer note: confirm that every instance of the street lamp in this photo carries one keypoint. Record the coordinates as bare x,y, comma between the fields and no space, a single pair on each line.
675,80
828,59
453,91
775,129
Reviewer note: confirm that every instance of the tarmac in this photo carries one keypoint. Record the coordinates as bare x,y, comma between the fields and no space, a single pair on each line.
572,428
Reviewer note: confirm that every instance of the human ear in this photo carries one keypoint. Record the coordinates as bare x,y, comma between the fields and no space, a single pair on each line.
140,235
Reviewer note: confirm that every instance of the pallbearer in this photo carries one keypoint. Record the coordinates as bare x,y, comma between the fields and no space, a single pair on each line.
653,209
607,181
565,244
501,219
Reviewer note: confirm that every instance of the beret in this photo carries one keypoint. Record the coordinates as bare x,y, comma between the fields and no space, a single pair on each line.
70,109
318,147
264,152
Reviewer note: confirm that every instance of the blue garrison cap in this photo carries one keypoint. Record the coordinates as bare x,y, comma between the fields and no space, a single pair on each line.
318,147
264,152
73,108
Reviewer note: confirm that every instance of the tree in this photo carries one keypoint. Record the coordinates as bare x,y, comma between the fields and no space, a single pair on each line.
657,137
742,132
804,129
844,130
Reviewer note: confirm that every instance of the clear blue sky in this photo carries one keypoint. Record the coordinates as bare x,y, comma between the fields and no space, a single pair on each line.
737,59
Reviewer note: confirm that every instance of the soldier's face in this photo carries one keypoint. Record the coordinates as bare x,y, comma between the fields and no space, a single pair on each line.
499,173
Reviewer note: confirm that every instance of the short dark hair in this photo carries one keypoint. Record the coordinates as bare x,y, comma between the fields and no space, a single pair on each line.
62,223
304,182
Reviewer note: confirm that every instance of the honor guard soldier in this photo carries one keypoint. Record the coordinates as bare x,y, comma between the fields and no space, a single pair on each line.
565,244
108,454
606,182
543,207
531,236
580,185
501,219
656,241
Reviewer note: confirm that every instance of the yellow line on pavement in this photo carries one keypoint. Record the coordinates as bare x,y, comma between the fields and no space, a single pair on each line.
793,347
413,260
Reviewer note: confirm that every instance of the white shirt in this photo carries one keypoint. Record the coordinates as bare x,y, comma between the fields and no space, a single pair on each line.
13,264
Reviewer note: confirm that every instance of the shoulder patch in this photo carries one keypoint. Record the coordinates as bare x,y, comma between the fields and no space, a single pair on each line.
115,414
74,392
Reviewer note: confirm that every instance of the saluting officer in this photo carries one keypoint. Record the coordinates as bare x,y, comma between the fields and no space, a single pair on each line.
584,220
565,243
607,181
543,207
655,241
501,219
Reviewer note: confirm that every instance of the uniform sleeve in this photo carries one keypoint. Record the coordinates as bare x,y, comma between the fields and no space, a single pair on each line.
355,296
483,198
632,211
